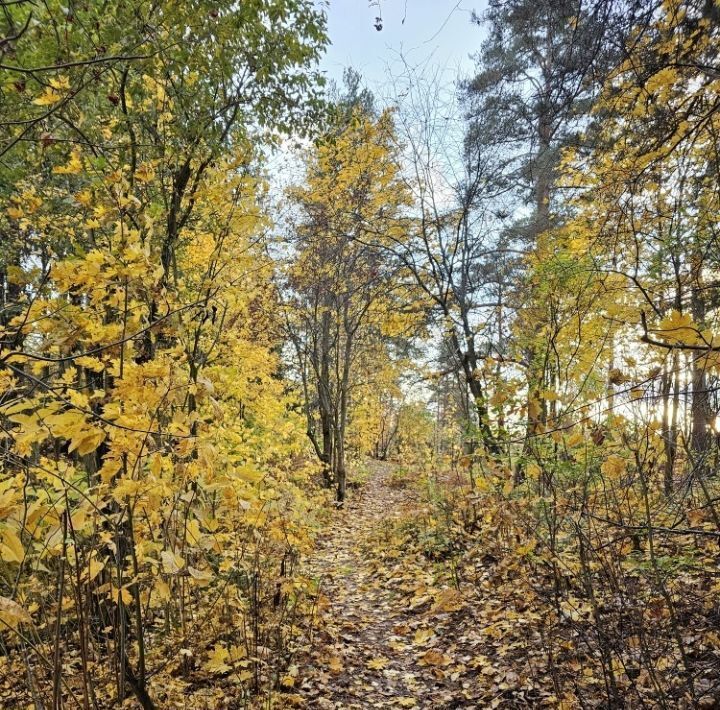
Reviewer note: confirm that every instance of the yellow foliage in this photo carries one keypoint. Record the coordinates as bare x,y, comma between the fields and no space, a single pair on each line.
678,328
613,467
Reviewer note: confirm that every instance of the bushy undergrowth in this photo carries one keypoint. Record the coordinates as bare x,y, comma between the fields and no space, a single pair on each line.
574,585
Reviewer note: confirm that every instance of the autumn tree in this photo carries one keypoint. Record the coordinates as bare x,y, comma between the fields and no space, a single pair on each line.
387,376
454,254
337,280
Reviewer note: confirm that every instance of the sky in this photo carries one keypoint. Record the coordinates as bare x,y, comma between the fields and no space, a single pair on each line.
437,32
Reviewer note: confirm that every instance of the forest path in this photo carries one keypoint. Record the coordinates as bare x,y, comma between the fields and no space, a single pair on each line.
376,647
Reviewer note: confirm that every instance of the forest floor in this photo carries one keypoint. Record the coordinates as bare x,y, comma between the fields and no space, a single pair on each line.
417,609
395,632
366,658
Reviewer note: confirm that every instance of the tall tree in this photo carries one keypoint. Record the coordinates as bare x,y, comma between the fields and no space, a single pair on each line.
352,196
454,254
538,73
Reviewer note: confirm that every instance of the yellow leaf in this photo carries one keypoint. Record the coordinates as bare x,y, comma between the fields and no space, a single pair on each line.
407,702
60,83
448,600
162,589
248,473
12,614
335,664
48,97
15,274
613,466
422,636
578,245
87,443
192,532
72,167
522,550
123,594
12,549
8,496
237,653
289,680
84,198
678,328
94,568
378,663
156,464
91,363
126,488
533,470
613,308
575,439
217,661
171,562
29,422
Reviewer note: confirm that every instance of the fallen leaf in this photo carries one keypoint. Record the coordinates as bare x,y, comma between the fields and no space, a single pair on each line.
378,663
447,600
422,636
434,658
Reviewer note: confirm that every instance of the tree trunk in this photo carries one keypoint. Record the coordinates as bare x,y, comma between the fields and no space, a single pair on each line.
701,415
670,414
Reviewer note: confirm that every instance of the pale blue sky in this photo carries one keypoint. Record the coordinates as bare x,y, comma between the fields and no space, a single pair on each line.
435,31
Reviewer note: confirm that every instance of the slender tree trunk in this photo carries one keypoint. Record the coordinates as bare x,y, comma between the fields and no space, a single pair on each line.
542,188
344,401
701,415
329,441
670,385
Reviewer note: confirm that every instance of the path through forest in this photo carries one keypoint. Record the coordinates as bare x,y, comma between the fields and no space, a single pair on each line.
377,647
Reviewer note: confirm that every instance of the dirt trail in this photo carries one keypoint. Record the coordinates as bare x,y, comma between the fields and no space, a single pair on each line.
366,653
